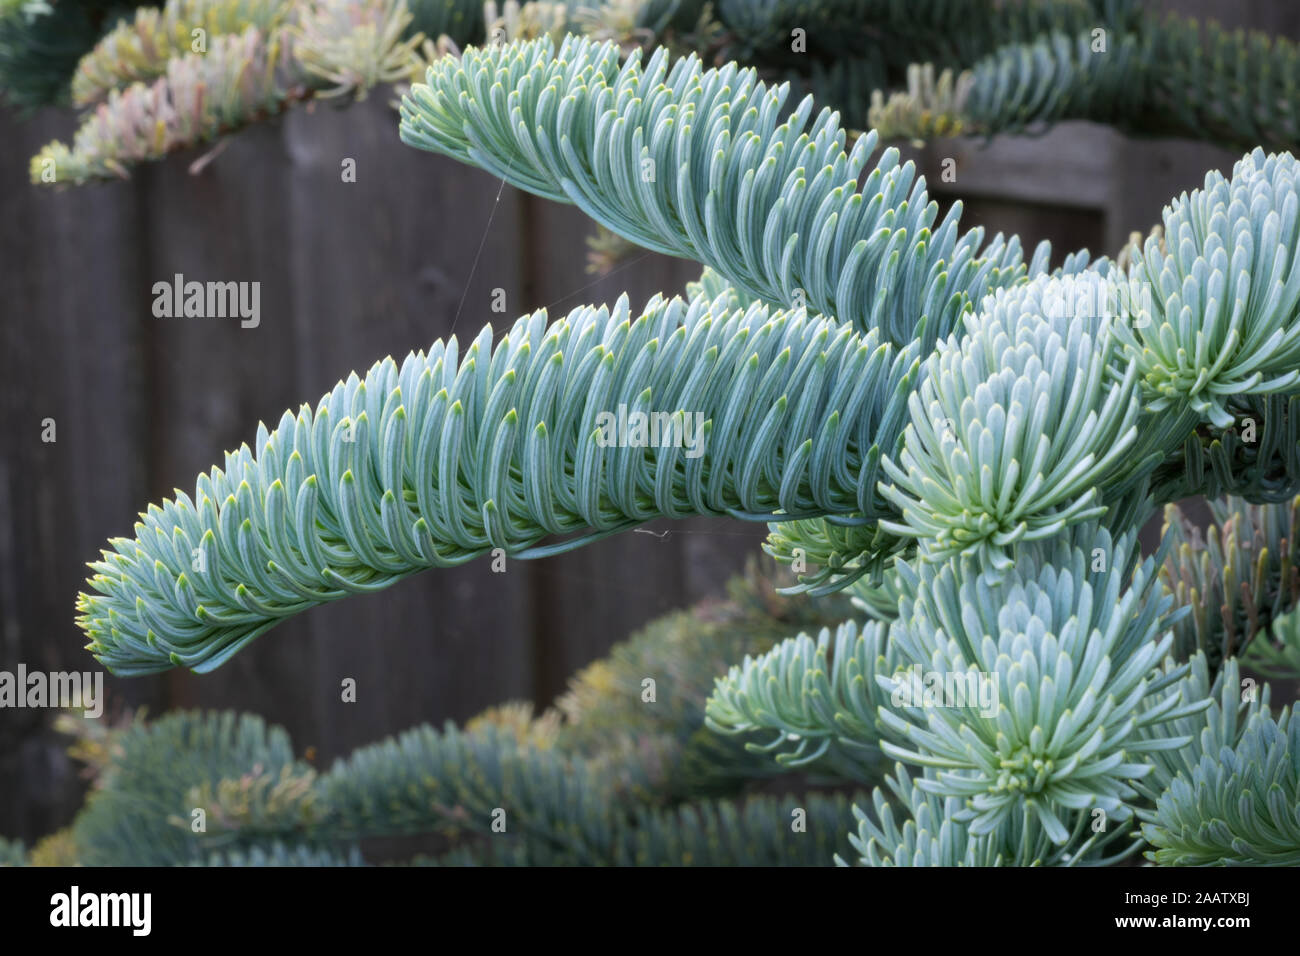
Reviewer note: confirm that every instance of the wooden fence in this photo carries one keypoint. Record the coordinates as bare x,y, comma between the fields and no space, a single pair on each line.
350,272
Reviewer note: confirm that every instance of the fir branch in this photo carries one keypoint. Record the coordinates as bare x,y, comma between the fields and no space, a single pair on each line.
926,832
981,469
1233,703
828,555
1239,806
756,831
202,96
1147,77
813,698
1223,288
330,48
928,108
1055,77
698,163
140,813
346,48
451,781
1238,577
440,460
141,49
1072,647
544,807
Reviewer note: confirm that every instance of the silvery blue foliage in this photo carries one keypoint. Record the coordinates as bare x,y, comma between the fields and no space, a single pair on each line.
981,436
1223,320
706,164
1016,424
817,696
1239,805
917,827
1072,647
442,457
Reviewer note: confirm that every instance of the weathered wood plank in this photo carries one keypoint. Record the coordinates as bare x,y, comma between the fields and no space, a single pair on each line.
71,351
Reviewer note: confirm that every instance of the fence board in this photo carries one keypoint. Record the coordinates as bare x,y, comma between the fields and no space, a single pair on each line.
70,350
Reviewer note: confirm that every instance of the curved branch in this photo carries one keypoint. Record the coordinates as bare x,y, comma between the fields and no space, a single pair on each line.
444,458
